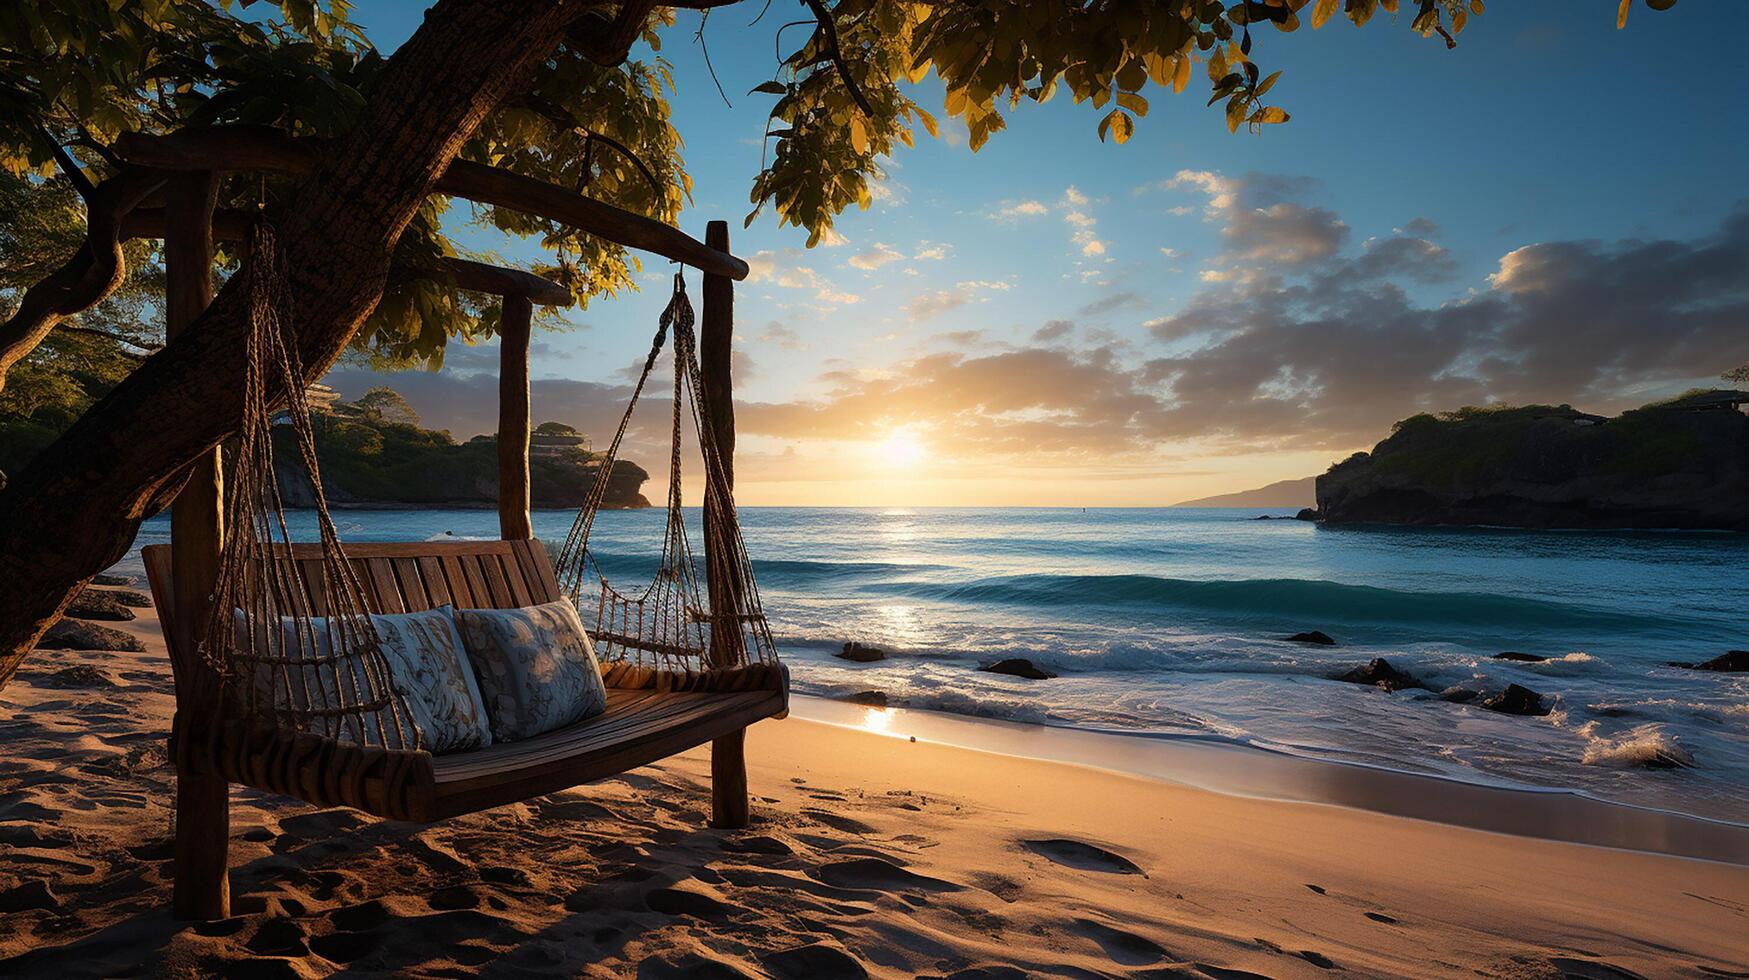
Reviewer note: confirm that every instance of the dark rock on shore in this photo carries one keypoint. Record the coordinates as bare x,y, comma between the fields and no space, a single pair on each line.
130,598
73,634
860,653
97,604
1379,673
1523,658
1735,661
1681,464
873,699
1017,667
1516,700
1309,514
1314,636
1459,695
107,579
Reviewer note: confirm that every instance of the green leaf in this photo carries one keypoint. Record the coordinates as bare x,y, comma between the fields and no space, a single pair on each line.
770,88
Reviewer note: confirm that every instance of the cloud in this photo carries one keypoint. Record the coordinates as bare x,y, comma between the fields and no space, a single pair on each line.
1322,354
779,335
1333,355
1081,223
1014,211
1053,330
1113,301
875,256
1022,403
780,268
1421,228
928,304
932,251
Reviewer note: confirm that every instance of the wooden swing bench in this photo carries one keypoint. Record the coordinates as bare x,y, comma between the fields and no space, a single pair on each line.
653,710
640,726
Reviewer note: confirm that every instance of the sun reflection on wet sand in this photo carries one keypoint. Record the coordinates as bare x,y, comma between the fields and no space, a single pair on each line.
878,720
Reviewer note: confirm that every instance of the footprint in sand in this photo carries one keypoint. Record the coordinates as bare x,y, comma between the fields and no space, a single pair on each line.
679,901
689,967
757,844
1082,856
836,822
345,947
876,874
1124,948
1576,969
1224,973
816,961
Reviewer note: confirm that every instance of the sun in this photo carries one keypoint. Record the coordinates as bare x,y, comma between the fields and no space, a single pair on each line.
902,448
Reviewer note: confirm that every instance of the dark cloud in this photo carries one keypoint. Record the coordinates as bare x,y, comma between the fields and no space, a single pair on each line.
1113,302
1421,228
1335,355
1053,330
1328,353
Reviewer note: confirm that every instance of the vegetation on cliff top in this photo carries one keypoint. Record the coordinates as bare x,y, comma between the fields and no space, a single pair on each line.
375,451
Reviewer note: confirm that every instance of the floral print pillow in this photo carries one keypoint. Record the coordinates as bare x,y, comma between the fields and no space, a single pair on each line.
430,670
536,667
427,665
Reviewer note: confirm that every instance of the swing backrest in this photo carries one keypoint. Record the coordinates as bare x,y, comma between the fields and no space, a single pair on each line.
410,576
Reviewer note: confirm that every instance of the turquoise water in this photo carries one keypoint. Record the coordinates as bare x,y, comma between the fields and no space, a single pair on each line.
1168,622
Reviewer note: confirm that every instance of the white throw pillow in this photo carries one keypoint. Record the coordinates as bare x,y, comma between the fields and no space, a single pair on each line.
536,667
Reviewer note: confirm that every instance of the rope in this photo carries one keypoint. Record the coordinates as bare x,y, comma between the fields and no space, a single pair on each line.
291,641
663,636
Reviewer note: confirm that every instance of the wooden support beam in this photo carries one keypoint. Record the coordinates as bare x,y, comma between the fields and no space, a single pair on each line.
203,801
729,800
514,522
232,225
255,148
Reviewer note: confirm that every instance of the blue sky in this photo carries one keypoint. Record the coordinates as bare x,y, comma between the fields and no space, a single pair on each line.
882,369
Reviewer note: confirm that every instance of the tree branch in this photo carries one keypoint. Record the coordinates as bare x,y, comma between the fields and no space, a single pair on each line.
92,273
829,34
69,166
146,345
561,116
607,41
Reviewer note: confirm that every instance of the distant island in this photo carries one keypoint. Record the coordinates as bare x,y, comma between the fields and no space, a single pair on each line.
375,454
1682,463
1293,494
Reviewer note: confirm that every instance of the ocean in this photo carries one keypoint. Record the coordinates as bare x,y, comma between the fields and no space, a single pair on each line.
1167,623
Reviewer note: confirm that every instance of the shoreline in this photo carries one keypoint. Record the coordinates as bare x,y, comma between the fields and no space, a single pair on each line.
1232,768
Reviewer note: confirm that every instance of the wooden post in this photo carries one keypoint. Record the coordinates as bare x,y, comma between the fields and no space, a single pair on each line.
729,805
514,523
203,801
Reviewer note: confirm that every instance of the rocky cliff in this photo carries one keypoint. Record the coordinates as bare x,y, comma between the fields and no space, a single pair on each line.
1669,466
406,471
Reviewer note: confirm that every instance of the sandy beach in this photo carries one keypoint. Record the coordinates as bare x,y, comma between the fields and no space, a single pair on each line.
868,855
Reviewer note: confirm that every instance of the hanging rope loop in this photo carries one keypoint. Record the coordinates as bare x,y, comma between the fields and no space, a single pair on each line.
664,636
291,641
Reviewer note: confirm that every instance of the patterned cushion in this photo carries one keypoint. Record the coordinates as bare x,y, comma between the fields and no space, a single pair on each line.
536,667
427,666
430,670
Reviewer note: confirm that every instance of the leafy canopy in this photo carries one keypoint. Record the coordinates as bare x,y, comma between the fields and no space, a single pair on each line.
75,73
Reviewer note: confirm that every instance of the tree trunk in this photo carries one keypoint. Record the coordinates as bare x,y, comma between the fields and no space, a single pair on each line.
76,509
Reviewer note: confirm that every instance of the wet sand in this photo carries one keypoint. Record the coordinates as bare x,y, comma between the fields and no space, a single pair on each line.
869,855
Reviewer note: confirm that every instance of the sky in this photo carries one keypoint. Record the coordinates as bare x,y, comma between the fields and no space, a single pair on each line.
1552,212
